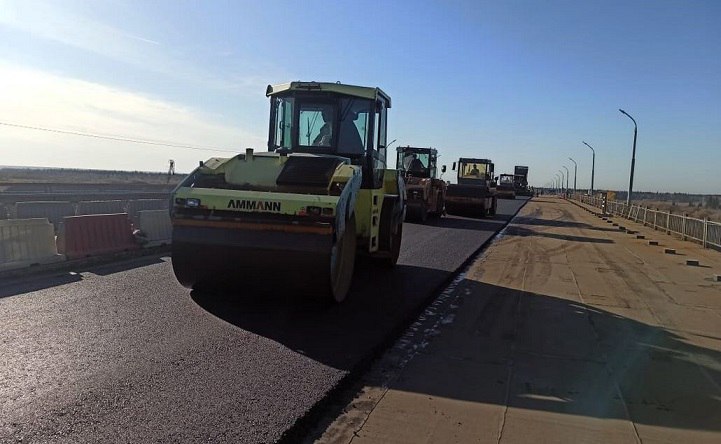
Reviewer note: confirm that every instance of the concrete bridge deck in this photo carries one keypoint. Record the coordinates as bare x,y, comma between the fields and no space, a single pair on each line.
565,330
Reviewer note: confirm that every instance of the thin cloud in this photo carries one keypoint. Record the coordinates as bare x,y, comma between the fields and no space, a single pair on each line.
59,23
35,98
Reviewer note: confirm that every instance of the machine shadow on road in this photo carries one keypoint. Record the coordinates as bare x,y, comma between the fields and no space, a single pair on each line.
560,224
535,352
42,280
28,284
515,230
379,306
467,223
130,264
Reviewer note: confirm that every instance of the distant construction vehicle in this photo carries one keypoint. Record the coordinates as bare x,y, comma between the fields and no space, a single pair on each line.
475,192
297,215
506,186
521,181
425,193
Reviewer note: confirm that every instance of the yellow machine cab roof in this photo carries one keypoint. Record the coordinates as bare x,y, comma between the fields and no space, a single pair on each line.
339,88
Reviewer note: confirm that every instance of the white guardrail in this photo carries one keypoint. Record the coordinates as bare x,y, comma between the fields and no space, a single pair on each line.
703,231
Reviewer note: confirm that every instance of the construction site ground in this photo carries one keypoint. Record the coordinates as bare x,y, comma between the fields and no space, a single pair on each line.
565,330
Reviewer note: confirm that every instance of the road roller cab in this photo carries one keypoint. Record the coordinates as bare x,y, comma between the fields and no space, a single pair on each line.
506,188
303,209
425,193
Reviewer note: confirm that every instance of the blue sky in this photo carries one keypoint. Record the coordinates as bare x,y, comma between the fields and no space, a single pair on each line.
520,82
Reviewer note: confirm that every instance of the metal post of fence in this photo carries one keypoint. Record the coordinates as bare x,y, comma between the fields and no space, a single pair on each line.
668,222
655,215
683,226
705,231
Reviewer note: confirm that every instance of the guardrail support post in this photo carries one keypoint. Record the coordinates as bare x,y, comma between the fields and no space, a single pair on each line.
705,232
683,226
668,222
655,215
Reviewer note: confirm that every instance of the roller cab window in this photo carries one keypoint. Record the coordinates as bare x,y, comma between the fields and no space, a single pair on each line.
415,164
332,125
506,180
471,170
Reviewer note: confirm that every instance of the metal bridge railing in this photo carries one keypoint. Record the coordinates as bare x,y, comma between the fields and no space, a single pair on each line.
703,231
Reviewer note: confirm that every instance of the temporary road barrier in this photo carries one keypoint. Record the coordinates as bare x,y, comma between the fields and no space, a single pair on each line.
92,235
25,242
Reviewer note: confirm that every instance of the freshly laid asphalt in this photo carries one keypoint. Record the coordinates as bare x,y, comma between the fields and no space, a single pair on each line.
123,353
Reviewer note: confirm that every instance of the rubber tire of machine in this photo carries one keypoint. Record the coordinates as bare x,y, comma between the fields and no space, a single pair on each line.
342,263
483,212
439,205
390,234
492,211
423,213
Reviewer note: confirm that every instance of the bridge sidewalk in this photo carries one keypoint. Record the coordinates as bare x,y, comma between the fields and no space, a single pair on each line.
566,330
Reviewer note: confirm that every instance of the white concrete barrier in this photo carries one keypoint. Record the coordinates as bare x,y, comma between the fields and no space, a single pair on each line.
89,207
25,242
54,211
155,227
135,206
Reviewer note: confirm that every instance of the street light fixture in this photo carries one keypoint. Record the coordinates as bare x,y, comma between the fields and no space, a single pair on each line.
593,165
575,172
633,156
568,173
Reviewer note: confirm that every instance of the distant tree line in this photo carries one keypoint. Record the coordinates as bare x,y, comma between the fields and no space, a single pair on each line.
75,175
712,201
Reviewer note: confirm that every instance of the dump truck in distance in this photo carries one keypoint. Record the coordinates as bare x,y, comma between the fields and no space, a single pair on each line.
474,194
297,215
425,193
521,181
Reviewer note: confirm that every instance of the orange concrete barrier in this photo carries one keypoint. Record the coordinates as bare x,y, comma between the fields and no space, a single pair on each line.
96,234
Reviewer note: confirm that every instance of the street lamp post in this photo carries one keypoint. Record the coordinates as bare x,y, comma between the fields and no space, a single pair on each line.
575,172
593,165
561,172
568,173
556,182
633,156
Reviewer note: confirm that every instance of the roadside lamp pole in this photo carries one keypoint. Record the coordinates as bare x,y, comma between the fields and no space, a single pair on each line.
568,173
561,172
556,182
593,165
575,172
633,156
